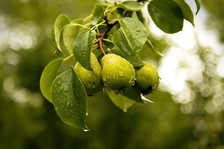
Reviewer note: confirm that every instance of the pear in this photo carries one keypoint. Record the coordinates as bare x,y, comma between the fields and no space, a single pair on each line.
117,72
147,78
90,79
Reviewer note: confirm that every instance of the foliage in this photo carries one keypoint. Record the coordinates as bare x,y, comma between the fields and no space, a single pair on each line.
29,121
112,27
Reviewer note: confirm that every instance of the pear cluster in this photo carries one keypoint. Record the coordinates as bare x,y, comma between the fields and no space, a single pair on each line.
116,73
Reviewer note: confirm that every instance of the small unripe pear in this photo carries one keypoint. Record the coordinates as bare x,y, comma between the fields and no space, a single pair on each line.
147,78
91,79
117,72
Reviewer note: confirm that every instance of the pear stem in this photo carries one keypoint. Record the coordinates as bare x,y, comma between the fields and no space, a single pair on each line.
104,34
100,42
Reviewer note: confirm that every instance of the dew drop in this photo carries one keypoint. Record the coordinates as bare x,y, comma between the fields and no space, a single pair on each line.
59,82
133,84
65,89
121,73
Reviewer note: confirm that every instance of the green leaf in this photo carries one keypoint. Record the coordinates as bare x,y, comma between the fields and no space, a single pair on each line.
154,49
186,10
82,47
47,77
56,51
70,99
130,5
77,21
119,100
60,22
138,16
133,93
69,35
123,49
198,5
134,31
121,42
98,13
167,15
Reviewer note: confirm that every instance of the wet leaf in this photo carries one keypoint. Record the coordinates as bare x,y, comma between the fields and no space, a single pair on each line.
56,51
69,34
69,99
134,31
198,5
82,47
119,100
186,10
154,49
98,14
167,15
123,49
59,24
47,77
133,93
131,5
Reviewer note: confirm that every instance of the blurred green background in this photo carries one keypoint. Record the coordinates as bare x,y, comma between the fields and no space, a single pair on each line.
189,118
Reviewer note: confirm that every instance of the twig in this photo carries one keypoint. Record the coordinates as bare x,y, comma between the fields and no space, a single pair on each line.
104,34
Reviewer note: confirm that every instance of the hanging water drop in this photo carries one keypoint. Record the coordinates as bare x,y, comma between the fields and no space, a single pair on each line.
133,84
85,130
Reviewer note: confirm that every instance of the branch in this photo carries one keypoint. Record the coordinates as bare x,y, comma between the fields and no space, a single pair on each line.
104,34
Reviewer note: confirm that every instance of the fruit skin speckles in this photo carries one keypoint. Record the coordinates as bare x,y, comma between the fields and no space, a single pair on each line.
147,78
117,72
91,79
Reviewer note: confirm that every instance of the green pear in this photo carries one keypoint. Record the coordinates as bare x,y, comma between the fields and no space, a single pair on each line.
90,79
147,78
117,72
